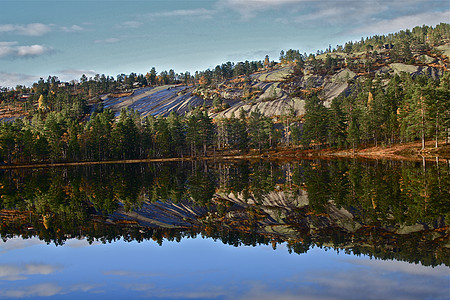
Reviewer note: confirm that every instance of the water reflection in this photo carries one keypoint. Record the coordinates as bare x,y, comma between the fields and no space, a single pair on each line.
382,209
203,269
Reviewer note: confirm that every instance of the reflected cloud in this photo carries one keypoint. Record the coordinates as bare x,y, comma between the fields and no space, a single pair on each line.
131,273
359,281
375,280
199,292
403,267
38,290
261,291
76,243
46,290
13,272
140,287
84,287
18,242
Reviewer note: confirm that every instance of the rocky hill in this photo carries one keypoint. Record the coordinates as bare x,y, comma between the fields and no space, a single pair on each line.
281,89
155,101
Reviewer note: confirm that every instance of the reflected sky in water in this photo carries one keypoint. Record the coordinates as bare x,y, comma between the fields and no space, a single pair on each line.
204,269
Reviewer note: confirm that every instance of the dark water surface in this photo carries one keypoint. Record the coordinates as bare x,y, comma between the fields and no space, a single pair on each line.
315,229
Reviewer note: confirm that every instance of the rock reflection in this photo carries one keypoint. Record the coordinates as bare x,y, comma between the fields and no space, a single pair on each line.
382,209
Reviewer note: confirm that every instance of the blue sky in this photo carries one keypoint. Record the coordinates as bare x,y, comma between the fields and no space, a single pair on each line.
71,38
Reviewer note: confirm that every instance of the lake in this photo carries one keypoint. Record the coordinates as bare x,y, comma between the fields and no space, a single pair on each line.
310,229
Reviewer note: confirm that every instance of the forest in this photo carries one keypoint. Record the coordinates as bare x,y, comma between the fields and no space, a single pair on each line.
60,124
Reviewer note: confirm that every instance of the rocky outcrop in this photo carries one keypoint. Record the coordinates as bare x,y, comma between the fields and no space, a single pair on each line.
162,214
278,90
156,101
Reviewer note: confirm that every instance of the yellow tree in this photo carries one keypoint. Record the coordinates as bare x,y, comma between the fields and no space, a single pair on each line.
41,102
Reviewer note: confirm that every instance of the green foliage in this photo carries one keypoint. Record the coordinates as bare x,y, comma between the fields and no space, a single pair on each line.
260,130
315,125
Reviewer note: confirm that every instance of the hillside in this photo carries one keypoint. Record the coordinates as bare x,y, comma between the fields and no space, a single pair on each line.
277,90
380,91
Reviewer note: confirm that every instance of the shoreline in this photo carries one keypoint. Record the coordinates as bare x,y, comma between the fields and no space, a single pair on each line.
406,152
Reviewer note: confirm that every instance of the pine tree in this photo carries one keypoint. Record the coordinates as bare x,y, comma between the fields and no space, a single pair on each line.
315,125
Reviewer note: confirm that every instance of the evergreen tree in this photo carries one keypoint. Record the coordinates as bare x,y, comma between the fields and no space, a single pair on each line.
315,125
337,128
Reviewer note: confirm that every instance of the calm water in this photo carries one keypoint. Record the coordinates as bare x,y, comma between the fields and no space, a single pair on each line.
243,230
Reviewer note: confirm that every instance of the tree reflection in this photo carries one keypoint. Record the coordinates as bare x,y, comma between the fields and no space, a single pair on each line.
385,209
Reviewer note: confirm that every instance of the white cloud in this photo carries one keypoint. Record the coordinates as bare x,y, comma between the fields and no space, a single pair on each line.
319,14
37,29
12,50
108,41
132,24
8,44
77,72
74,74
6,51
33,50
249,9
34,29
404,22
344,12
259,4
73,28
252,55
12,80
198,12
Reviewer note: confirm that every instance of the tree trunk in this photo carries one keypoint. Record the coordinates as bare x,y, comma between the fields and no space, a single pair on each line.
423,123
437,128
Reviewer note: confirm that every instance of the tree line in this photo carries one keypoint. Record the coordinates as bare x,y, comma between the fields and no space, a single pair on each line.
405,109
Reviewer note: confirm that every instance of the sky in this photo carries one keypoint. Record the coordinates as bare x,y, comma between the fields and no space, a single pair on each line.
69,38
205,269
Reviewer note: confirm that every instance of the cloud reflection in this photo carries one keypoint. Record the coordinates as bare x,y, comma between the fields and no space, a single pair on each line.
13,272
376,279
131,274
18,242
45,290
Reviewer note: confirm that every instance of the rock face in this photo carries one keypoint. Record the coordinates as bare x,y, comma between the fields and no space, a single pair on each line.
162,214
274,97
270,108
277,212
444,49
156,101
